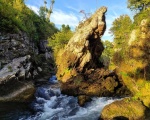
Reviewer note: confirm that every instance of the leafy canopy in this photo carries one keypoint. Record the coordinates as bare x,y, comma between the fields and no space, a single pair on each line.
60,39
15,16
121,29
138,5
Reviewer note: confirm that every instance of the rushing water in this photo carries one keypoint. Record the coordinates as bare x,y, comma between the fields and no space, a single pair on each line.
50,104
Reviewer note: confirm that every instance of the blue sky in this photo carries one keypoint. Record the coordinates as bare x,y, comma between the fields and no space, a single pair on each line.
67,11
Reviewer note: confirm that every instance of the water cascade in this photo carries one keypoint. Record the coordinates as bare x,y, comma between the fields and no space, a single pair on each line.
50,104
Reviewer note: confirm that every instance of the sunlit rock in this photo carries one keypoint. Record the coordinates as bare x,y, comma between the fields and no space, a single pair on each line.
84,48
79,70
126,109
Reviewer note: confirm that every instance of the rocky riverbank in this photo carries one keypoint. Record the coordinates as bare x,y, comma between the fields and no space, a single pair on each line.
82,74
21,64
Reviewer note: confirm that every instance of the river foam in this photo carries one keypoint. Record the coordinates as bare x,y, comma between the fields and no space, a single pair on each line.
50,104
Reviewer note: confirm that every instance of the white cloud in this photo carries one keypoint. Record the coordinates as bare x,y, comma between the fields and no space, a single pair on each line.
59,17
72,8
34,8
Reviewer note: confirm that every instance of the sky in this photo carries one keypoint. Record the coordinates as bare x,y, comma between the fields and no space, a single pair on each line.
68,11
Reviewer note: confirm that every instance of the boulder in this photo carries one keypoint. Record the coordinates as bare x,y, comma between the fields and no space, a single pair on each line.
99,82
25,93
79,69
82,99
84,48
16,80
21,65
126,109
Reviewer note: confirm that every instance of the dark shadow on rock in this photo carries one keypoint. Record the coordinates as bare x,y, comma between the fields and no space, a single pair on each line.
120,118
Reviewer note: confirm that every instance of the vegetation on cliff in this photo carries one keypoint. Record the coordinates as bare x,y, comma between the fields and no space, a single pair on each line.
130,51
15,16
131,58
23,33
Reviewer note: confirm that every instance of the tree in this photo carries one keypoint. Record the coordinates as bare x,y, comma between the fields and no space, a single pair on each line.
18,4
42,12
65,28
121,29
138,4
107,53
108,49
50,10
60,39
15,16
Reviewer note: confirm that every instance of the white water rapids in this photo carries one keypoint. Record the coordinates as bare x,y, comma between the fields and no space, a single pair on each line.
50,104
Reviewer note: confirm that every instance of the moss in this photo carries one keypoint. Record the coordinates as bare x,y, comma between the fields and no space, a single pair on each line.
78,80
110,84
126,108
82,99
10,69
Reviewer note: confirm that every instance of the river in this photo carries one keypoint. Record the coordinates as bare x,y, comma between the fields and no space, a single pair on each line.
50,104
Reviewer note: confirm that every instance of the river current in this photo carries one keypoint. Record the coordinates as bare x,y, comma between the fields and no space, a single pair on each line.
50,104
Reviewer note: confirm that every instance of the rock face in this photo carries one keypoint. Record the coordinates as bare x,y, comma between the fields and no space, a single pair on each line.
84,48
13,46
99,82
126,109
79,69
21,63
15,80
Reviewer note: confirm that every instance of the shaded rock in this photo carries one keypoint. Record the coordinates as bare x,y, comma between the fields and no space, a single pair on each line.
14,46
82,99
22,63
126,109
99,82
25,93
15,82
43,46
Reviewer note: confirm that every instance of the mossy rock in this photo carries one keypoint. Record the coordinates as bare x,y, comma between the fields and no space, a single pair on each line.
82,99
126,109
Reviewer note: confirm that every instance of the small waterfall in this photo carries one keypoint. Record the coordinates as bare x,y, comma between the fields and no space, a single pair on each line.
50,104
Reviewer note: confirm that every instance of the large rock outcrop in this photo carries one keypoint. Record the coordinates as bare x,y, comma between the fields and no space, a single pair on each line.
84,48
79,69
15,80
13,46
21,64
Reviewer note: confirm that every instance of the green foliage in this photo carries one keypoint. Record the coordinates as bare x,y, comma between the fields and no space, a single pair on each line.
138,5
108,49
10,69
45,12
42,12
140,16
15,16
118,57
107,53
60,39
121,29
